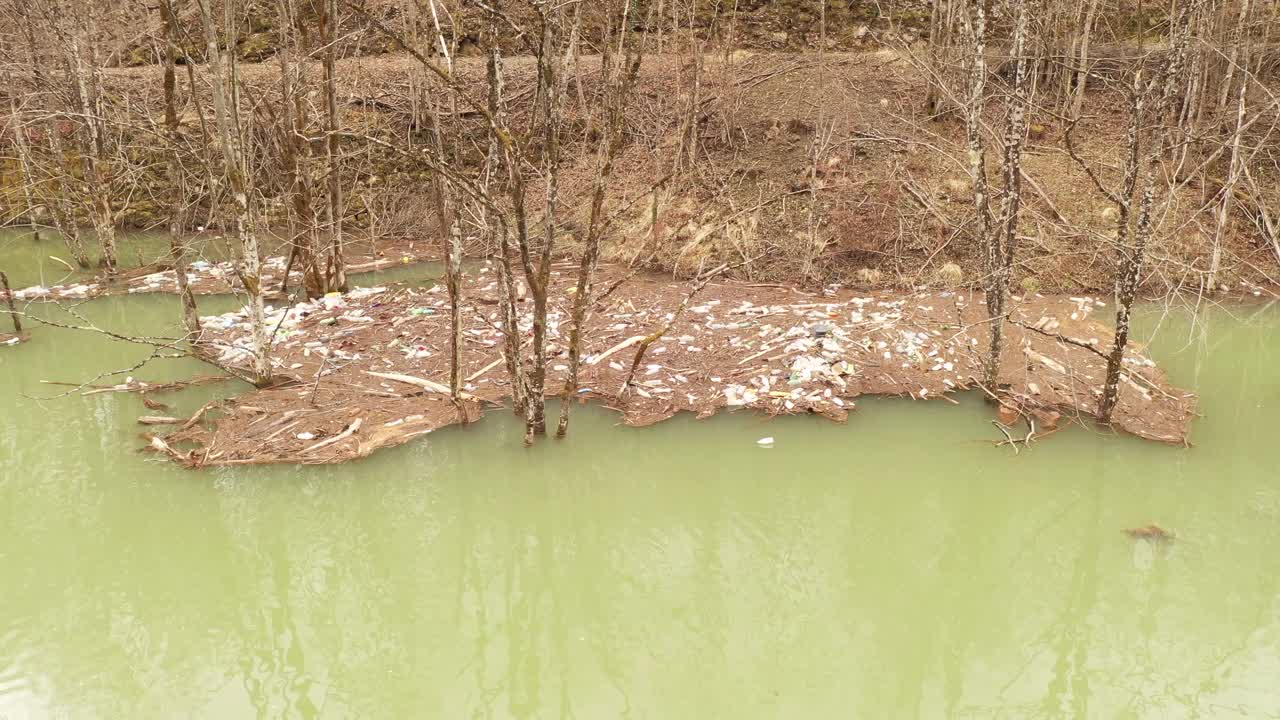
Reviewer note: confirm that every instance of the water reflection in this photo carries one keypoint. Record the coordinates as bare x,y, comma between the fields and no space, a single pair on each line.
895,567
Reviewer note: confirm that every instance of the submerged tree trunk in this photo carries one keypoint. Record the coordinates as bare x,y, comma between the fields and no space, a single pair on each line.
617,92
1130,259
93,146
447,217
538,275
497,227
8,299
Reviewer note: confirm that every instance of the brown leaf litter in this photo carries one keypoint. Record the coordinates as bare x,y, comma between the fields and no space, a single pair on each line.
368,369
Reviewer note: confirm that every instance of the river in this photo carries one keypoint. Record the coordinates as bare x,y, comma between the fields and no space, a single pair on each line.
898,566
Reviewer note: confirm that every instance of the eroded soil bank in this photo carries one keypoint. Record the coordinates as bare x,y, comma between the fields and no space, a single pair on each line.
363,371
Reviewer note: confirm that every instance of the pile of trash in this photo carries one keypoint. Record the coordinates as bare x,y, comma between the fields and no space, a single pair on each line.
370,368
209,278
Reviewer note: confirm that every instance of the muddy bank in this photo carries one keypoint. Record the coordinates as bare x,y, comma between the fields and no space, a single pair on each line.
364,371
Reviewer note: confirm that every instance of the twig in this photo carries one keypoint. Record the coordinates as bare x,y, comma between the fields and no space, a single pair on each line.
1008,438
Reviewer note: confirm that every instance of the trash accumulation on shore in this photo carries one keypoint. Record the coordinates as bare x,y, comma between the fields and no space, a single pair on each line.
369,369
212,278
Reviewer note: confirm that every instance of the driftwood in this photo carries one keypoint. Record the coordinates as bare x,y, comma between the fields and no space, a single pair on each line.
141,386
475,375
159,420
620,346
1152,532
352,429
428,385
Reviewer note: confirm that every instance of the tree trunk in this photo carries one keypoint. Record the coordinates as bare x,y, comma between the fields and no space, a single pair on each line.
177,226
617,92
227,114
59,200
336,207
93,146
1002,244
8,299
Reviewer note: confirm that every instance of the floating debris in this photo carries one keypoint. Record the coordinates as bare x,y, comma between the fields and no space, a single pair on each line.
741,347
1151,532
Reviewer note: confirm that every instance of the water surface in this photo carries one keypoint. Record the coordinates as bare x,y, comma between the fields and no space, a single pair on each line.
894,567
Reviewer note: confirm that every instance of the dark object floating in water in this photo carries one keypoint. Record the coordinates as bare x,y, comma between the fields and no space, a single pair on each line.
1151,532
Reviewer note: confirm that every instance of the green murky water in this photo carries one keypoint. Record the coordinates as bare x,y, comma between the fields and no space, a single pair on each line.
895,567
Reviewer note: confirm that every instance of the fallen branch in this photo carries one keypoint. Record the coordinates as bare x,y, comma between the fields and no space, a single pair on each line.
1008,438
484,369
352,429
597,359
428,385
1060,338
652,337
158,420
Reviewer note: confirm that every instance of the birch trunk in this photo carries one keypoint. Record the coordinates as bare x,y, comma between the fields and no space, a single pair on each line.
226,113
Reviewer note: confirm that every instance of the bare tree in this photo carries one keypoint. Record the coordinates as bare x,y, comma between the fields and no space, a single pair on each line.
177,174
335,208
1151,104
235,170
618,82
81,47
58,190
447,215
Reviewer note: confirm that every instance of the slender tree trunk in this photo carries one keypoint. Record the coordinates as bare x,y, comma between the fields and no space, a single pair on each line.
617,92
1002,244
1130,259
449,225
26,172
975,30
1237,41
226,111
295,148
335,210
177,226
1228,190
59,200
8,298
93,149
497,226
1082,69
551,80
